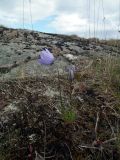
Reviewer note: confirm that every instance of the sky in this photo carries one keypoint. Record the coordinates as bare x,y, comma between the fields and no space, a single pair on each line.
85,18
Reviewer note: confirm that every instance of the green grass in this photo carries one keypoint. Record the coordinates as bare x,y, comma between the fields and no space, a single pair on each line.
106,72
69,115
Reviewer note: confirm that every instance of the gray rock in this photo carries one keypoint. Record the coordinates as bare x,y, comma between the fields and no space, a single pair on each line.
78,50
19,51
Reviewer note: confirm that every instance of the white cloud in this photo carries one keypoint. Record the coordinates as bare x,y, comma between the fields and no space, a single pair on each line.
69,23
12,10
71,16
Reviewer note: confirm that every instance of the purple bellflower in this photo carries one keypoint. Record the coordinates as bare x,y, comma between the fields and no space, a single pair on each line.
46,57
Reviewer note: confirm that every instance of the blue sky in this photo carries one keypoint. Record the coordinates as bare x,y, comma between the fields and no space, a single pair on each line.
85,18
40,25
43,25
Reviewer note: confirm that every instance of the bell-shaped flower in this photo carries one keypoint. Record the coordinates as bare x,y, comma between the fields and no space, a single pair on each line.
46,57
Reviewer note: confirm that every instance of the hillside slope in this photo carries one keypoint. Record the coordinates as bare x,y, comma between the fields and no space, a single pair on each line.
19,51
46,115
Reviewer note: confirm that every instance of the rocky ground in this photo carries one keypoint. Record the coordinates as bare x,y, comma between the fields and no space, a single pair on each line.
19,51
43,115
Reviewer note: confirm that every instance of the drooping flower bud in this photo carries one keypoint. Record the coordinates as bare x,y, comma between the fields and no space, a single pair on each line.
71,70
